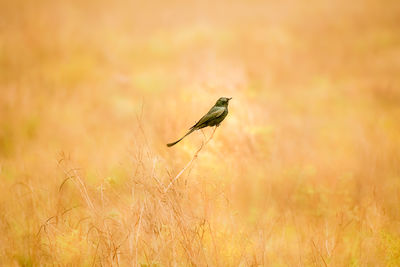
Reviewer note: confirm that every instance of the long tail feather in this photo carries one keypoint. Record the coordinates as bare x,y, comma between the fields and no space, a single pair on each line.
171,144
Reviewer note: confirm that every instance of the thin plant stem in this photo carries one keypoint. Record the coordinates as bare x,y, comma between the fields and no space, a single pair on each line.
203,144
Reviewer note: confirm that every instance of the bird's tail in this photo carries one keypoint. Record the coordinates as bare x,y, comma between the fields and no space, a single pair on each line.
190,131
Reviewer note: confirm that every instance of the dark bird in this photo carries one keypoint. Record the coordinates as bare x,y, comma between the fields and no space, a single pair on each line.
213,117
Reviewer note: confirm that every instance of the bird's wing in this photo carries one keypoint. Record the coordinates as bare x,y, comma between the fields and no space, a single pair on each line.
214,112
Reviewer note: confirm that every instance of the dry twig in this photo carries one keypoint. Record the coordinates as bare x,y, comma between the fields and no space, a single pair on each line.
190,162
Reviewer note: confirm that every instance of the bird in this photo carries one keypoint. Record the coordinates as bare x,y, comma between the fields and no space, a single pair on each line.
214,117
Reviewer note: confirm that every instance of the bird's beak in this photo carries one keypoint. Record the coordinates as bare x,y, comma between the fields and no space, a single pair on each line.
230,98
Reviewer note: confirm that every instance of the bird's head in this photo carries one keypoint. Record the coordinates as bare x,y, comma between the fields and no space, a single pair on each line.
223,101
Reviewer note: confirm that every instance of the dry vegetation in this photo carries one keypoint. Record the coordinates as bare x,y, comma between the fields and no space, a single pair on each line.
305,170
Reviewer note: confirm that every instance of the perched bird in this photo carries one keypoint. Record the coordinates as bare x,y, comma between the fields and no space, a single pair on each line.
213,117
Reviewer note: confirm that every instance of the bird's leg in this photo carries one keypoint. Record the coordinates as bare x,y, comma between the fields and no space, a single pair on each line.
203,133
204,137
212,134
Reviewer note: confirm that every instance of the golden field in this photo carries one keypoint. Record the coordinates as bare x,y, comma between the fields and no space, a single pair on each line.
304,171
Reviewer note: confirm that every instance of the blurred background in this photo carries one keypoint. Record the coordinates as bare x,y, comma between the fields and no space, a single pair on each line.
304,171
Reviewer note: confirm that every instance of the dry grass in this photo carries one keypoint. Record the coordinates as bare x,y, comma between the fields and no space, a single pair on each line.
305,170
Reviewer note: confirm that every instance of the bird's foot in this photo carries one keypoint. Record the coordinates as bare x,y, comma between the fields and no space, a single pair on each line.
203,133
